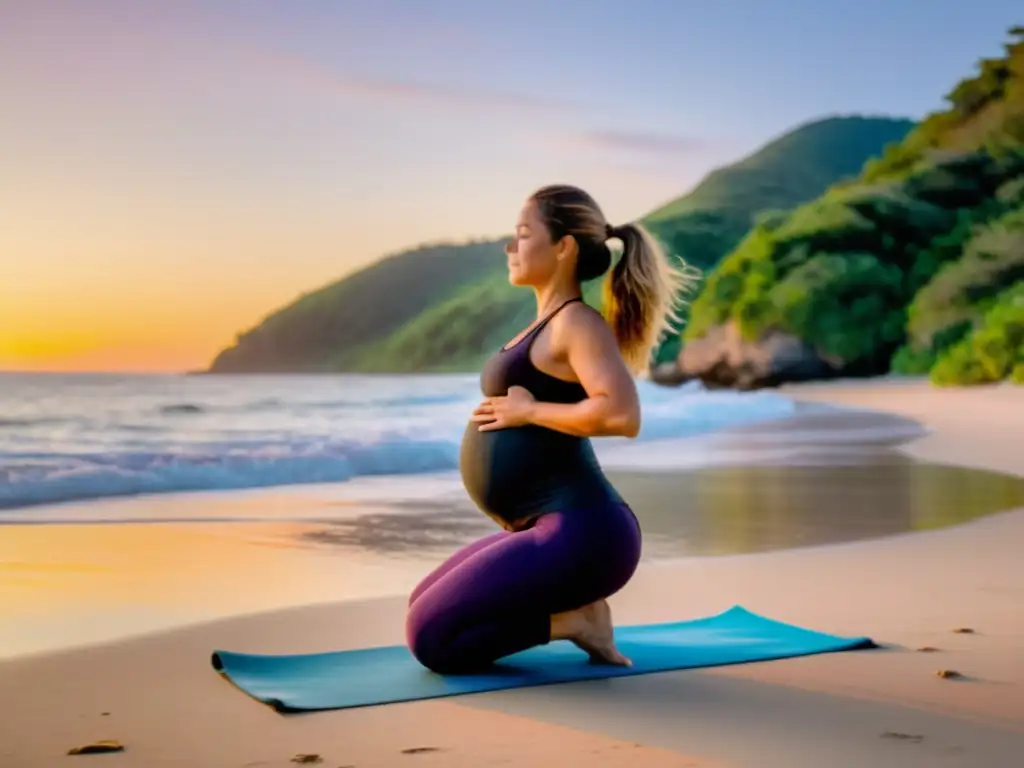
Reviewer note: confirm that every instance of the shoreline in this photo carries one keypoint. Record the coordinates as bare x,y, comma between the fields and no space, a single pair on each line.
168,440
768,489
953,438
903,591
809,415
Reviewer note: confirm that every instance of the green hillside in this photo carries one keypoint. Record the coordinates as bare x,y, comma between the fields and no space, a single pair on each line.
327,329
446,307
794,168
915,267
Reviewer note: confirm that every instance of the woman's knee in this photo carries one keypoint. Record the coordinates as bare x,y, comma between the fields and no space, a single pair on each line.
418,590
621,563
431,641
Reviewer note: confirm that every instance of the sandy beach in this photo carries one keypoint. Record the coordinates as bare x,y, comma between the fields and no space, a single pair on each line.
907,588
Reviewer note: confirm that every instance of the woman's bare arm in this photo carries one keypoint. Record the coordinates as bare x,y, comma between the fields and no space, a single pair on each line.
612,406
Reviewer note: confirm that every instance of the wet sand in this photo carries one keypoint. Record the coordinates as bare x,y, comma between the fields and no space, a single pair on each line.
68,584
879,708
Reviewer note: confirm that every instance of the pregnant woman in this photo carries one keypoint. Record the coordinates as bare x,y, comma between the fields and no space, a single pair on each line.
569,540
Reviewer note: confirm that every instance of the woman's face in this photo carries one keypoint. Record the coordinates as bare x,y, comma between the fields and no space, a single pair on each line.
532,257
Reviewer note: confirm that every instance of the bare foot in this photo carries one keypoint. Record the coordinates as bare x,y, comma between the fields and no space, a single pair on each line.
593,633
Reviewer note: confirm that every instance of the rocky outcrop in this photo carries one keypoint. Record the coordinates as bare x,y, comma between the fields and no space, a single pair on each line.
724,359
668,374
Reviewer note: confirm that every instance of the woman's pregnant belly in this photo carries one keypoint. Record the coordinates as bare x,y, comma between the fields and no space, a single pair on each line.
516,474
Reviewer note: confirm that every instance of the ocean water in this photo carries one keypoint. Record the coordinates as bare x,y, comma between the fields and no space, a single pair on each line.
134,504
91,436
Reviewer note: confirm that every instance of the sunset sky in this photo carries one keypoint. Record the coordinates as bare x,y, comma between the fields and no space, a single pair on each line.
172,171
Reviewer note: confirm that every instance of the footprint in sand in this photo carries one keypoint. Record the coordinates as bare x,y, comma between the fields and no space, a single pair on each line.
420,750
912,737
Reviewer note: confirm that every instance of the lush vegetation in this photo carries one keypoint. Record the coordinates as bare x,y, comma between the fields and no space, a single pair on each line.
448,306
994,348
709,222
917,265
326,329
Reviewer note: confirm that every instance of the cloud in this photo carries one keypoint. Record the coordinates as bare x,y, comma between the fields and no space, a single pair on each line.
645,143
628,148
308,73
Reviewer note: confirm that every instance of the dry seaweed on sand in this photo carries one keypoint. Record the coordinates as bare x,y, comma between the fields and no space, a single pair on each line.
98,747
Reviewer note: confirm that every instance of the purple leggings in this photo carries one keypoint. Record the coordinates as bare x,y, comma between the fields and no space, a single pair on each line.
496,596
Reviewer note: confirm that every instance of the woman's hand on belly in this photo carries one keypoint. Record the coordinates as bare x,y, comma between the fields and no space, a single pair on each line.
512,410
582,339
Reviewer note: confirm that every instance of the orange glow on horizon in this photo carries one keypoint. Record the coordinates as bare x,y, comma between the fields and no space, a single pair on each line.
163,338
106,331
147,359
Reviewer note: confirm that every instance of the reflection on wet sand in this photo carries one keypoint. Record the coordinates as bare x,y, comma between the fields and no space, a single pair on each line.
725,510
422,531
64,585
736,510
77,573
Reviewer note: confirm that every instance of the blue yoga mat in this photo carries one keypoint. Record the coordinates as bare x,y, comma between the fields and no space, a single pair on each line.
343,679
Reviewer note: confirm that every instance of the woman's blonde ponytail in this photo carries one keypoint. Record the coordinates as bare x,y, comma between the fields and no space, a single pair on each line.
642,293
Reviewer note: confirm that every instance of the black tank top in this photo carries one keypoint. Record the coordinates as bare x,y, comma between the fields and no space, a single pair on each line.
515,475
